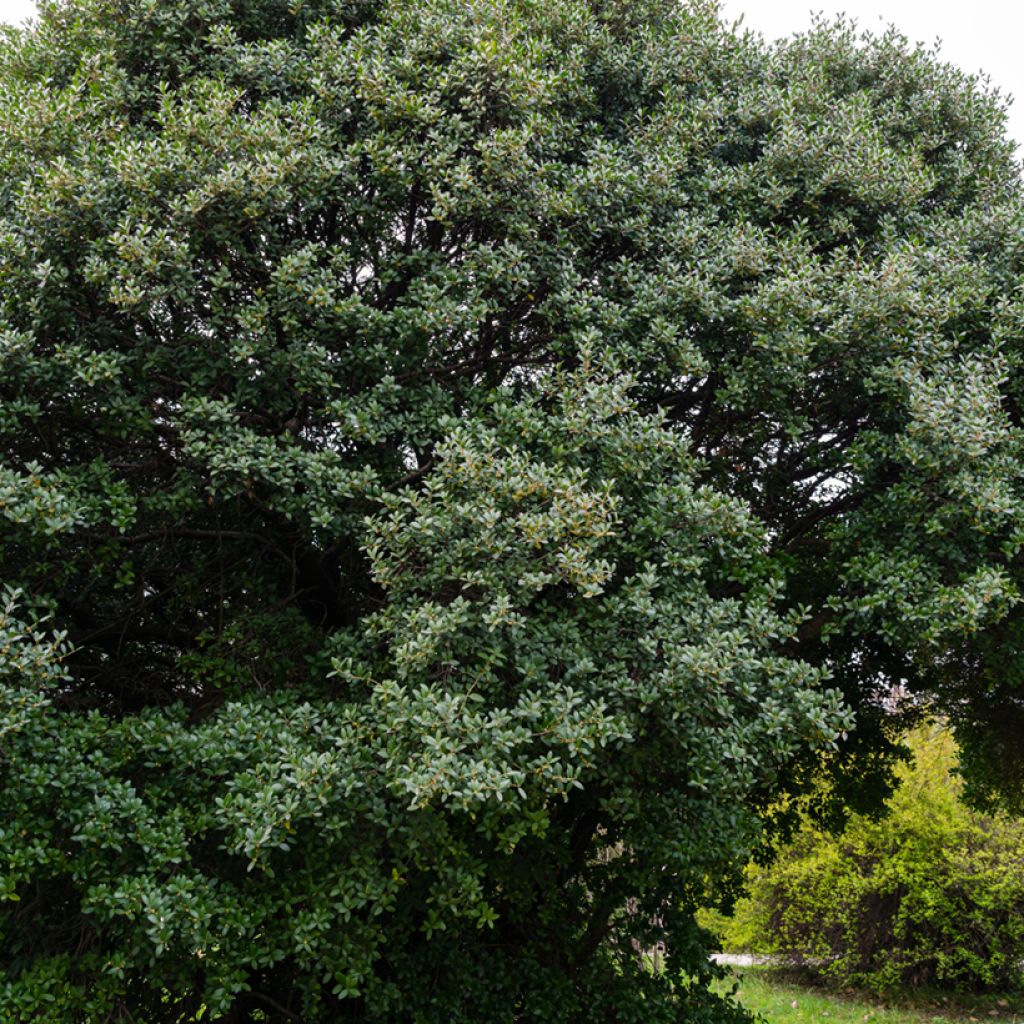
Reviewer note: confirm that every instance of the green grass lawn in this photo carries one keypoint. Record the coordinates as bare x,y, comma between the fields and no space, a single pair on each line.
782,1001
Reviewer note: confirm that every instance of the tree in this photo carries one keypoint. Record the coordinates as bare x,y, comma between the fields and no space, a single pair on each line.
463,464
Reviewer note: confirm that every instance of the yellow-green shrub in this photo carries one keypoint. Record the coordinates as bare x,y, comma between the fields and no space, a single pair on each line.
932,893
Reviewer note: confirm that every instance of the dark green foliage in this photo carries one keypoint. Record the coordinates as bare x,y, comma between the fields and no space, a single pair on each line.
931,894
461,463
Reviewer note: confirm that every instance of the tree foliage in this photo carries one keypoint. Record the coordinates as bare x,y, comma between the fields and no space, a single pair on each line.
461,463
930,894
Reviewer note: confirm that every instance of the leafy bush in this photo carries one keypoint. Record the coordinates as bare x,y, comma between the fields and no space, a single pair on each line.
478,778
930,894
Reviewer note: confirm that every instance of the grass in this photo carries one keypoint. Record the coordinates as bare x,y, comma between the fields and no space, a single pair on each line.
782,1000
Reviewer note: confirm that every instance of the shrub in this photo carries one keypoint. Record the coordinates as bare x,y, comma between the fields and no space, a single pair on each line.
932,893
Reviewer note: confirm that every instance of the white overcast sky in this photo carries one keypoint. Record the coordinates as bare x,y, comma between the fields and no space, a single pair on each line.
978,35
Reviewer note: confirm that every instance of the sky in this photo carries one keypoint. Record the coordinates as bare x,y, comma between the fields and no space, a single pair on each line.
978,35
16,11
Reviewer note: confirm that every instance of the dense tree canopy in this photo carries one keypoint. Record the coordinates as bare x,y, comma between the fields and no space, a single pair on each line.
463,462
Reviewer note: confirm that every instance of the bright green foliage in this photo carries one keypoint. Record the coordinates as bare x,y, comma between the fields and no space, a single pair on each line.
476,456
932,893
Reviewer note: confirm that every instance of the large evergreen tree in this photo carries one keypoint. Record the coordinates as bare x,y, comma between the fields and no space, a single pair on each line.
463,461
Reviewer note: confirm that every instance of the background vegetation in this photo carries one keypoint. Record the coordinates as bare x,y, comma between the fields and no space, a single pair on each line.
930,894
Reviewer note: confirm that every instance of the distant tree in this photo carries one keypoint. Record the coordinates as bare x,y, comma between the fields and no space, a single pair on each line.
462,464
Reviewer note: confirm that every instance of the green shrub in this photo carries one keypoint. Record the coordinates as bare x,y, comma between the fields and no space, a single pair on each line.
932,893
